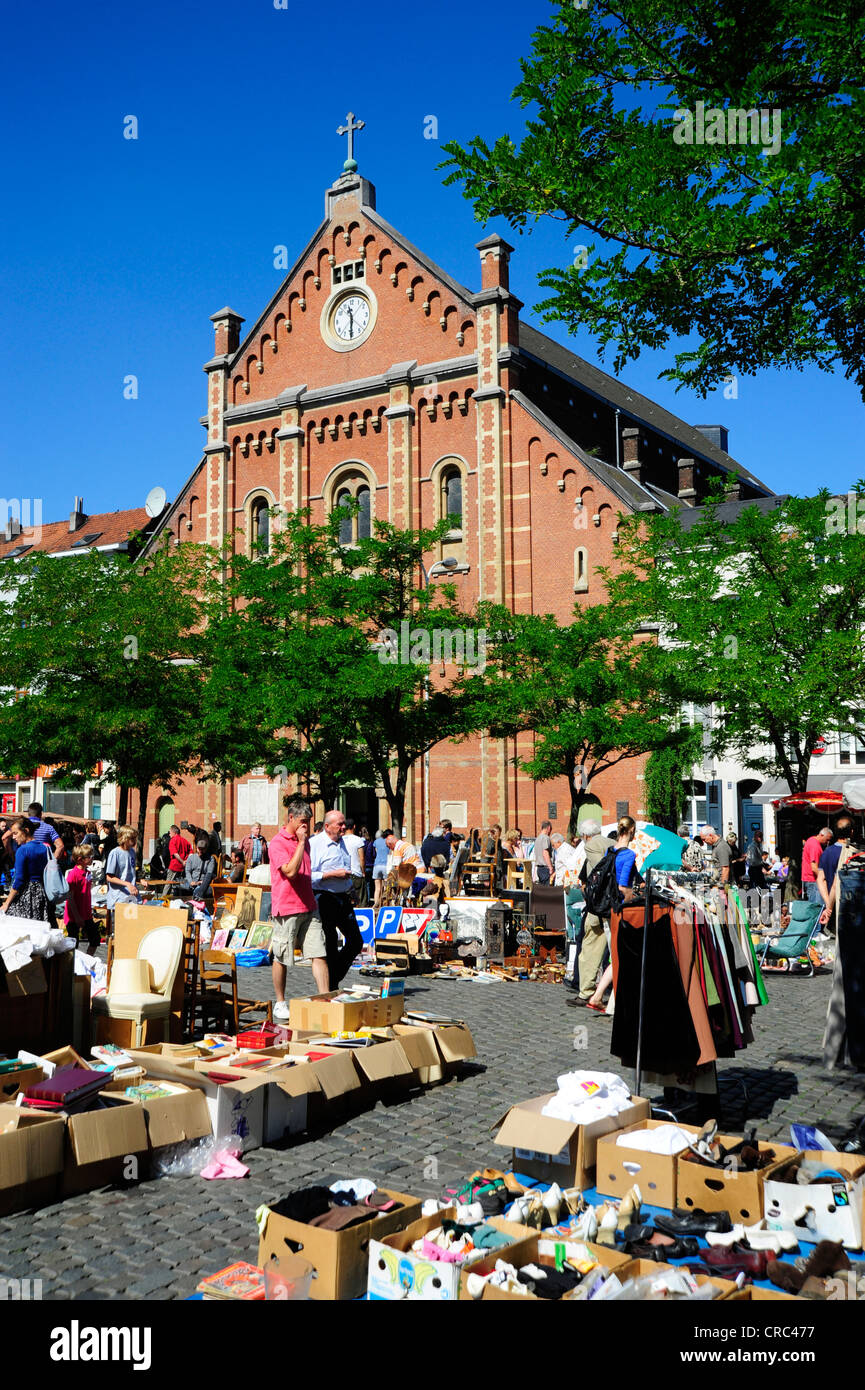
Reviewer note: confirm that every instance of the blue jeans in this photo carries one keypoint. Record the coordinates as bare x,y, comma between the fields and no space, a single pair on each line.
812,893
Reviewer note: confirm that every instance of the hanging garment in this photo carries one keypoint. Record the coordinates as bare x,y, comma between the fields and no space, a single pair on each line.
670,1042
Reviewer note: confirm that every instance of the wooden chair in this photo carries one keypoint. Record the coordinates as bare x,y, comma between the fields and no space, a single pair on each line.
189,967
518,873
218,968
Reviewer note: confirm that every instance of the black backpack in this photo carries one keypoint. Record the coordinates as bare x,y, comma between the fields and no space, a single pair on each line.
601,891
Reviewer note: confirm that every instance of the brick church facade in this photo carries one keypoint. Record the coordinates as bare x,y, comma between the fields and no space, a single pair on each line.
372,372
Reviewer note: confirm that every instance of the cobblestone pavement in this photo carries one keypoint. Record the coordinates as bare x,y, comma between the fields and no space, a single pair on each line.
157,1238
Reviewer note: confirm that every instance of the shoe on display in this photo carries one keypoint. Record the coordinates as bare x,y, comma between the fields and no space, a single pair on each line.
693,1223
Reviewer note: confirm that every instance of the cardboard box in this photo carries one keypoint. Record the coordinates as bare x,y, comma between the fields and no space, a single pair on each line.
715,1189
396,1273
286,1100
31,1158
419,1046
67,1057
30,979
537,1249
654,1174
383,1062
236,1106
176,1119
14,1081
104,1146
320,1013
455,1044
638,1269
557,1150
339,1257
752,1294
832,1211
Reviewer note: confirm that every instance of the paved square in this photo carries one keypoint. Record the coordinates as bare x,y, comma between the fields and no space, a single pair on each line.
157,1238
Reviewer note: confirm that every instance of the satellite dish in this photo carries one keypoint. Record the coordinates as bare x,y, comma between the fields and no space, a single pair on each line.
156,500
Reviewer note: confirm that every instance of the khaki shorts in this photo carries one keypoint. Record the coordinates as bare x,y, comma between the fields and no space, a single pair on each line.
303,931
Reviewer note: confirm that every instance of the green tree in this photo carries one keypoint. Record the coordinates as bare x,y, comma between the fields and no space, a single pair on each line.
312,663
106,660
586,690
761,616
756,249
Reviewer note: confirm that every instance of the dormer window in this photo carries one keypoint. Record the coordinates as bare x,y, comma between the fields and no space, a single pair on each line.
349,270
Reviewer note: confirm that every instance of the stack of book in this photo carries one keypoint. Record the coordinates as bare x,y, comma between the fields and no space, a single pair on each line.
70,1088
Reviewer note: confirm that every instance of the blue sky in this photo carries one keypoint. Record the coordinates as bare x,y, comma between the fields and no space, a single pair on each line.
114,252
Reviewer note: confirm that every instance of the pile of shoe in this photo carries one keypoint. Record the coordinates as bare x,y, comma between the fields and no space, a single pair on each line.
826,1273
743,1157
460,1242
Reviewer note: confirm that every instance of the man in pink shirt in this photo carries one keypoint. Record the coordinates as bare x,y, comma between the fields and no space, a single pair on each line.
293,905
811,851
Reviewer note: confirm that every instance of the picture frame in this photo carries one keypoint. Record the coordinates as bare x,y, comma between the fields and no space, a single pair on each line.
259,936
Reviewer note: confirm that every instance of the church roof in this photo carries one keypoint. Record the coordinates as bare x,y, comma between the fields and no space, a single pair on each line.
633,494
630,402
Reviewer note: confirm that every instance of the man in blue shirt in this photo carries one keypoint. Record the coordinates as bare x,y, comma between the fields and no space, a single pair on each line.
330,862
45,834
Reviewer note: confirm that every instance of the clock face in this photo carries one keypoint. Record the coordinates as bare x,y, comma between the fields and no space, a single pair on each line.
351,318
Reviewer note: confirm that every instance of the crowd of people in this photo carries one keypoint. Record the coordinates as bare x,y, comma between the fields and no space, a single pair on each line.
319,873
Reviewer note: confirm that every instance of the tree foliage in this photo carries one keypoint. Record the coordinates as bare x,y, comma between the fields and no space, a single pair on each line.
104,661
758,254
319,689
586,690
762,615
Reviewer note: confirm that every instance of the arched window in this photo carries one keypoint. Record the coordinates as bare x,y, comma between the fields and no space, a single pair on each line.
581,570
354,487
259,526
364,516
346,525
452,495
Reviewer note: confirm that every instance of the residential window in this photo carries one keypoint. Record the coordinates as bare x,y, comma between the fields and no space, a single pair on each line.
850,750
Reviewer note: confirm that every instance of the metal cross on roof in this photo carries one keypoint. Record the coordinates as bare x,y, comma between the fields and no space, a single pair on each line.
349,130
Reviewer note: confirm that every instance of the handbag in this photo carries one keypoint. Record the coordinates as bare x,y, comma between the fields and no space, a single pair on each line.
55,885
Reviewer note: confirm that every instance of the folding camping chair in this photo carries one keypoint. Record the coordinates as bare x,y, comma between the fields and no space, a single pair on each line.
781,953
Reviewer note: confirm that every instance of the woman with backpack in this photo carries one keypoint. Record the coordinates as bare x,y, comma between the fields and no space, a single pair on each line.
622,861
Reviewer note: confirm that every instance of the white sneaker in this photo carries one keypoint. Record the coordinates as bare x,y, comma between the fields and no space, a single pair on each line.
281,1011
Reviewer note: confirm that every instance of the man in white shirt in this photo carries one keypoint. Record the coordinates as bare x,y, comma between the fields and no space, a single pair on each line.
330,865
354,845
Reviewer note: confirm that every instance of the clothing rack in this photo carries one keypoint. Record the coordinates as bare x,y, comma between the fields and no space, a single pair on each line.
661,890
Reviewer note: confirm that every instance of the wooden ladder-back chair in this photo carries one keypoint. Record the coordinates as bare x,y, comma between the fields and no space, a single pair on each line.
218,968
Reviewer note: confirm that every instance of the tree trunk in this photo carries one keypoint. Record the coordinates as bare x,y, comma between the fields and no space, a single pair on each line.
579,799
123,808
143,794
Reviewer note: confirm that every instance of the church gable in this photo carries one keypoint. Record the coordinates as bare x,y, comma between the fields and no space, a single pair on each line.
360,299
